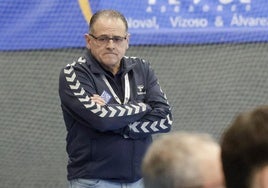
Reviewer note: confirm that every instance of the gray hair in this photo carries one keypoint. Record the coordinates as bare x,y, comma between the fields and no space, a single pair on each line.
173,160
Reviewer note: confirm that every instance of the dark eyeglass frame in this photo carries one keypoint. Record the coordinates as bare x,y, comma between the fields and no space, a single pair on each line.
104,39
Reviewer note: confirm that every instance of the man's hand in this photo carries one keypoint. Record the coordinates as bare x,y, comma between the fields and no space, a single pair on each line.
98,99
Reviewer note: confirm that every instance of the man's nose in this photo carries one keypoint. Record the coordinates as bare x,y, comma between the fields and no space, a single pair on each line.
111,43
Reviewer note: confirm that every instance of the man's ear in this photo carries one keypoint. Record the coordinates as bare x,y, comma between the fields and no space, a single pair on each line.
128,38
87,39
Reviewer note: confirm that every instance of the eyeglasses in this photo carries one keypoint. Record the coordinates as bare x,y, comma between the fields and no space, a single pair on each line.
104,39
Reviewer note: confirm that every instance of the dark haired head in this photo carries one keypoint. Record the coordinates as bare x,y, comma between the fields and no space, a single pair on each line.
245,147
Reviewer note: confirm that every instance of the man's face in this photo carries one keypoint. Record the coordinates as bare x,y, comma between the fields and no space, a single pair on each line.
260,177
107,51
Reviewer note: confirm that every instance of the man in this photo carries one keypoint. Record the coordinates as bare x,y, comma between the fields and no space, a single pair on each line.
111,105
245,150
183,160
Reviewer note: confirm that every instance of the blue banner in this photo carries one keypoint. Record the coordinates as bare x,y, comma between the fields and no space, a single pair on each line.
51,24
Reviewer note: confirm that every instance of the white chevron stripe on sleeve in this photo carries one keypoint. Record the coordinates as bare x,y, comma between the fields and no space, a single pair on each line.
104,112
162,124
143,106
76,86
85,99
68,71
89,105
143,127
71,79
113,111
136,108
129,110
153,126
133,126
73,64
122,110
82,92
169,120
96,109
81,60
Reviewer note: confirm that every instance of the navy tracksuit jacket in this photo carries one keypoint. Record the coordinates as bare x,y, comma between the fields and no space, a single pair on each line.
109,142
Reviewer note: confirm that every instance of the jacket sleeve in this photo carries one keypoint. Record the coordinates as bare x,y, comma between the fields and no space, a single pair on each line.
159,119
75,89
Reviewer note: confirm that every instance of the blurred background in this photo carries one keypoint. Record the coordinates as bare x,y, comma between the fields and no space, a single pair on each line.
211,58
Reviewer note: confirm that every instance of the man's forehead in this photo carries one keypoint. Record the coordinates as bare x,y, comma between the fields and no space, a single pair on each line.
107,20
109,25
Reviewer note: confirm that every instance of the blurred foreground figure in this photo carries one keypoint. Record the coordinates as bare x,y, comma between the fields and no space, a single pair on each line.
245,150
183,160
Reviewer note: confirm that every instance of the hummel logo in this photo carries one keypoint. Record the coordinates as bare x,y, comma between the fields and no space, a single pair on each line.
141,90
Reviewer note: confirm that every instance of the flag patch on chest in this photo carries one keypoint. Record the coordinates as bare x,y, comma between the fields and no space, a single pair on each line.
106,96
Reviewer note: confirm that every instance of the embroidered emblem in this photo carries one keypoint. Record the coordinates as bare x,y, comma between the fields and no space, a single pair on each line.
141,90
106,96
